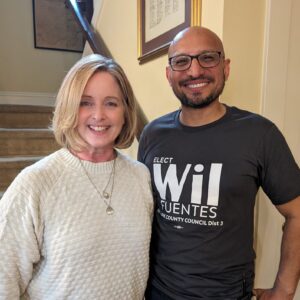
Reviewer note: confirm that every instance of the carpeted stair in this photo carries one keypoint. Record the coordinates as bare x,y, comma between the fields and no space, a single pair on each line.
25,137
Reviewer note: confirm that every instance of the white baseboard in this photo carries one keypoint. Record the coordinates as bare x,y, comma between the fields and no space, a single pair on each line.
24,98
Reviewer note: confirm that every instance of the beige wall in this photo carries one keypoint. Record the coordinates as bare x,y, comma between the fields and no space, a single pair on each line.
242,26
24,68
231,19
244,40
281,104
148,80
224,17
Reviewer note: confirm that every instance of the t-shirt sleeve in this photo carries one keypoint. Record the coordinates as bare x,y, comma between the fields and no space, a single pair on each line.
280,174
141,151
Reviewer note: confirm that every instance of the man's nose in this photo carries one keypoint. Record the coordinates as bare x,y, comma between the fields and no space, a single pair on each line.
195,69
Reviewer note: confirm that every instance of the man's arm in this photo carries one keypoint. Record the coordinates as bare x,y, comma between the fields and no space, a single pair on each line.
289,267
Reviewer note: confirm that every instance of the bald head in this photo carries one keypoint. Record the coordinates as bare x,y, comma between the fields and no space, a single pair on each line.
197,68
198,35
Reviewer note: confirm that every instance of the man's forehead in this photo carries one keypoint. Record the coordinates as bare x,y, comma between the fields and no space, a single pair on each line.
195,42
192,48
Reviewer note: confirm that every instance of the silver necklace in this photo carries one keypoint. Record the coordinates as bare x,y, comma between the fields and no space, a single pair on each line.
104,195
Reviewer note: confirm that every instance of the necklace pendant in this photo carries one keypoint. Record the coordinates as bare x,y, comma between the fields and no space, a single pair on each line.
105,194
109,210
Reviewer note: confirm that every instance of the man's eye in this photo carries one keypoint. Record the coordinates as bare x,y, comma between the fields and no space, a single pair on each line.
181,61
207,58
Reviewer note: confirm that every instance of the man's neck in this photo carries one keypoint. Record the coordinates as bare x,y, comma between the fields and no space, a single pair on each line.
202,116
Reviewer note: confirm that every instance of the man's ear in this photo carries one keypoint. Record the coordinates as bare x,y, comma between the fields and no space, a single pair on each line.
226,68
168,74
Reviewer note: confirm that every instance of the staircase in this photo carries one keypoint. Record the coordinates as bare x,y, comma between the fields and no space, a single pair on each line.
24,139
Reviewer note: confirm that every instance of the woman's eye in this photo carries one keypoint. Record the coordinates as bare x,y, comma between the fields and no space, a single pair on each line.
85,103
112,103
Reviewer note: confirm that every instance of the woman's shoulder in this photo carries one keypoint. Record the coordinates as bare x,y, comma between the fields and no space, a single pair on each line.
133,164
35,181
40,174
48,164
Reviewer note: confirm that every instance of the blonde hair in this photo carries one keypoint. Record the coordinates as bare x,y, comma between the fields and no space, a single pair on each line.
65,118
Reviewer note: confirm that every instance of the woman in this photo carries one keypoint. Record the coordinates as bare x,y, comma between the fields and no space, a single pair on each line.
77,224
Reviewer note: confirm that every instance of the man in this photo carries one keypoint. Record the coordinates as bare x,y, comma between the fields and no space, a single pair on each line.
207,162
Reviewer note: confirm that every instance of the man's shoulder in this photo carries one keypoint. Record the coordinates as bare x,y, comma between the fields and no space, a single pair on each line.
245,116
165,121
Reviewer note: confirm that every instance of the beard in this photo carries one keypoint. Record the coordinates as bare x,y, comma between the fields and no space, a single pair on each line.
198,101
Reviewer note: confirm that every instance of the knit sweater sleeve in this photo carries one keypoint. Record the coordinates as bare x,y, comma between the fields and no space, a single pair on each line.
142,175
20,237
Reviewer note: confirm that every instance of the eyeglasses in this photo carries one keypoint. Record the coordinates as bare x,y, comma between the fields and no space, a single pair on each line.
207,59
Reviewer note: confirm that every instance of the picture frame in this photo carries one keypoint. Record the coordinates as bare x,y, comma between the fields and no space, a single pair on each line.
160,21
55,26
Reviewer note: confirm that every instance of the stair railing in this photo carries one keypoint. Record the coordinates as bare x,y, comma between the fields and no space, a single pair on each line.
98,46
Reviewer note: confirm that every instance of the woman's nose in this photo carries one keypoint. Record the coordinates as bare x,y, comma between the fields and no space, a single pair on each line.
99,113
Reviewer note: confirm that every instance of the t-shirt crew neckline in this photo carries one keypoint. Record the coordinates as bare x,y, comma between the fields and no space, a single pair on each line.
202,127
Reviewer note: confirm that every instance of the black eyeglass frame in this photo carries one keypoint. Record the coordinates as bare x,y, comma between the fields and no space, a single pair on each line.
197,57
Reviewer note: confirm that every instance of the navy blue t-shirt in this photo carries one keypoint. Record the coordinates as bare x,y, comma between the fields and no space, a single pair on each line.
205,181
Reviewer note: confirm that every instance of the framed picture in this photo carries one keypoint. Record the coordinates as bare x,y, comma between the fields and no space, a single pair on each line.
160,21
55,26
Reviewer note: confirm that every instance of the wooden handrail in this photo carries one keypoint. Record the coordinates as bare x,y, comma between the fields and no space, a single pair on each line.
98,46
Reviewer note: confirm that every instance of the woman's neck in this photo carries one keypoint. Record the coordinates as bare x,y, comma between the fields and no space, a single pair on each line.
96,156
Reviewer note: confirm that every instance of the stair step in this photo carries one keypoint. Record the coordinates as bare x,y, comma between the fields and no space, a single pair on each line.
10,167
24,139
25,116
26,142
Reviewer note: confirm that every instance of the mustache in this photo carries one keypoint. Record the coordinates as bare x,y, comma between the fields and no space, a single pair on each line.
191,78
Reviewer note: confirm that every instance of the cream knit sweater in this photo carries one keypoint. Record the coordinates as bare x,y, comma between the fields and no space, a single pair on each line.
56,240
